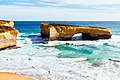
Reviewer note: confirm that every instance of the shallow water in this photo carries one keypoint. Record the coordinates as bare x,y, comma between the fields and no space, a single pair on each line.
102,50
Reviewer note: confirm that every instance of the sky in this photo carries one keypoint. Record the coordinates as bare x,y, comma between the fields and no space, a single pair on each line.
60,10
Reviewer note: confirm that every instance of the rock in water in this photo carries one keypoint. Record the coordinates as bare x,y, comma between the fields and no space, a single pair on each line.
8,34
65,32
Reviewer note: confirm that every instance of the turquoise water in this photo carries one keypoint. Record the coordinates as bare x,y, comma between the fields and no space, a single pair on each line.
109,49
101,52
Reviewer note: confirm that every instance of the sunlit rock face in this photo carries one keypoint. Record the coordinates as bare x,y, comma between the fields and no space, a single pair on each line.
6,23
65,32
8,34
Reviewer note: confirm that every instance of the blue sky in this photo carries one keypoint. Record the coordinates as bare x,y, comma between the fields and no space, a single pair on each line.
75,10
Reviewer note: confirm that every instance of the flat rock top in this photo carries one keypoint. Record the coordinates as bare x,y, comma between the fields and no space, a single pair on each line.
6,23
72,25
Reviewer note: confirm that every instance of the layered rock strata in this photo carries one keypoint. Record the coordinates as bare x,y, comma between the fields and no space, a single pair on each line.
8,34
65,32
6,23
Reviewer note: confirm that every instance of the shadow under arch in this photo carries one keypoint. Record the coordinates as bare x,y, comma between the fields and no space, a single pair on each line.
82,36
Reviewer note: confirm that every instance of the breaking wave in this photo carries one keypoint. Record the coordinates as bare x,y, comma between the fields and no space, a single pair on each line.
92,50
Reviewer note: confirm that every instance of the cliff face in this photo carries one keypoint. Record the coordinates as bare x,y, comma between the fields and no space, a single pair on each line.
8,34
65,32
6,23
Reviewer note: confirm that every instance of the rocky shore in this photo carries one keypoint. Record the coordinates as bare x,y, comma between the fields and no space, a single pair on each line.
42,63
46,66
8,34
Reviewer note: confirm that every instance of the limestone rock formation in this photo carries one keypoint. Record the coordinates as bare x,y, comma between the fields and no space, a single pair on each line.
65,32
6,23
8,34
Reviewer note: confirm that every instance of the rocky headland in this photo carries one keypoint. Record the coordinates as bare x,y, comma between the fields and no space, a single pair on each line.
65,32
8,34
6,23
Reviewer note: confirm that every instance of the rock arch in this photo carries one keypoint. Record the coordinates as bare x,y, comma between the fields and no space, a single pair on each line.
65,32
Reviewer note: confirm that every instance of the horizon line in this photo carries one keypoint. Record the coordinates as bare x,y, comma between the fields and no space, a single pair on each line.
66,20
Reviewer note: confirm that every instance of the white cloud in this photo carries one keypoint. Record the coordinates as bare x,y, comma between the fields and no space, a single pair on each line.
23,3
91,2
62,10
47,13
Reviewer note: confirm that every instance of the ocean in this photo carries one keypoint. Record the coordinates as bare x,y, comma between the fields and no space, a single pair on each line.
100,50
85,60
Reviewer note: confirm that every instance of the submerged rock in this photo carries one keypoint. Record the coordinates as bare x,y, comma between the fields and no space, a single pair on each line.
65,32
8,34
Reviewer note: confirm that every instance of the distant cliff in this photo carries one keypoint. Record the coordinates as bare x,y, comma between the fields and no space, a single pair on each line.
65,32
8,34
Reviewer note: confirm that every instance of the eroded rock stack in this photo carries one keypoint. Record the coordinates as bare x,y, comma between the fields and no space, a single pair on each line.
8,34
65,32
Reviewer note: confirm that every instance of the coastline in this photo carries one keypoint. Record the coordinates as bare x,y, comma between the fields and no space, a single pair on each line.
62,60
48,66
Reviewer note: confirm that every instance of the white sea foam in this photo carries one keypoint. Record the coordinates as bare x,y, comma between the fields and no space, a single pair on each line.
19,36
114,40
47,66
41,62
77,37
36,40
53,43
28,41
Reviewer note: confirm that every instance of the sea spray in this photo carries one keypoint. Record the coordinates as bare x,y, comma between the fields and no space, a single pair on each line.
93,50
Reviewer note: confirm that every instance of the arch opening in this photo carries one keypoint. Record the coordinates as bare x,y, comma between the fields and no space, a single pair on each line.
82,36
77,37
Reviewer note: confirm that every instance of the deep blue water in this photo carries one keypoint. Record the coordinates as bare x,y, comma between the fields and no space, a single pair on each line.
92,52
34,26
